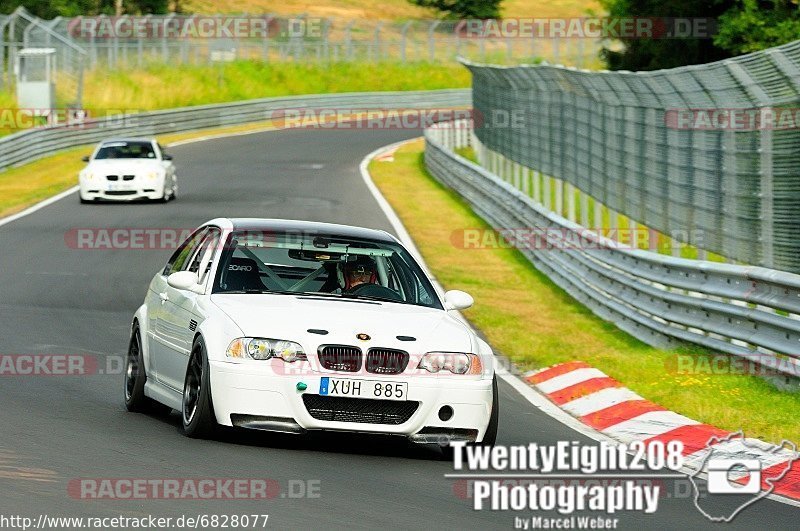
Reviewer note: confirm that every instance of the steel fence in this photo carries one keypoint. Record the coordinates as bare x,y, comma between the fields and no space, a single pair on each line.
110,42
655,146
746,311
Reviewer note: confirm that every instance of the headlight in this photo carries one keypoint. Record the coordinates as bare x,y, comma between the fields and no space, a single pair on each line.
86,175
154,174
455,362
264,349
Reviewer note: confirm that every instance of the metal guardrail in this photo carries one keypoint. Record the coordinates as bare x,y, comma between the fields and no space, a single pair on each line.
702,150
746,311
36,143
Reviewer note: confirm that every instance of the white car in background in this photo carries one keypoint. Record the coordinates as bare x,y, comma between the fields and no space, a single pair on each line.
292,326
128,169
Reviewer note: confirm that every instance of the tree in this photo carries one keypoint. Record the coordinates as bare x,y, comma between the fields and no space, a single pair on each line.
460,9
49,9
753,25
652,54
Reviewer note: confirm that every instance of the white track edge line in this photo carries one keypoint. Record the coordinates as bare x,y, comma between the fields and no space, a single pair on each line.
38,206
61,195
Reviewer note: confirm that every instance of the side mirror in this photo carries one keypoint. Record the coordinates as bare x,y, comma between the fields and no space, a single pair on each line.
183,280
85,158
458,300
164,156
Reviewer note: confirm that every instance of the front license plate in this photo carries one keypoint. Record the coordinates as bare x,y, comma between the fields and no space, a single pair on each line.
118,187
363,388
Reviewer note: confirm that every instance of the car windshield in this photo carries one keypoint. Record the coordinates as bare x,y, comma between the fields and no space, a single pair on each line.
322,265
126,150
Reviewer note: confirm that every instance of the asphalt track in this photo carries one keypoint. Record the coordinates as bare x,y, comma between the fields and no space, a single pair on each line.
58,300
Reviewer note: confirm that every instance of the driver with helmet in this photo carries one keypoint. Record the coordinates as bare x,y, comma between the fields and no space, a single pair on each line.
360,271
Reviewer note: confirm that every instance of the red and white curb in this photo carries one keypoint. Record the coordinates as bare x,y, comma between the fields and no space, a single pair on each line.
604,404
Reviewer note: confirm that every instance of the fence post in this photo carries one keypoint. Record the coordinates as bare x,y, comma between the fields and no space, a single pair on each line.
583,197
403,40
548,198
348,40
431,40
378,52
559,206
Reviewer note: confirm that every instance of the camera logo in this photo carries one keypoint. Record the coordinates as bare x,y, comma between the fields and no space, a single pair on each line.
723,473
740,469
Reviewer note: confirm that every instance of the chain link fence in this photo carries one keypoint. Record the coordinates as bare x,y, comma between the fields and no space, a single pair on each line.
747,311
708,151
132,41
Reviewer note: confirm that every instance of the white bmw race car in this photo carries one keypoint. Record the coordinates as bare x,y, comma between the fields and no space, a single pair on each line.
292,326
128,169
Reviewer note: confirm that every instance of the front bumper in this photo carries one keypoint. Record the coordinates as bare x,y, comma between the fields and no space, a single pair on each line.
256,391
135,190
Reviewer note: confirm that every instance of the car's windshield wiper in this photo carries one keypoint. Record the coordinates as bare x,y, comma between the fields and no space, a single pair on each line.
373,298
250,291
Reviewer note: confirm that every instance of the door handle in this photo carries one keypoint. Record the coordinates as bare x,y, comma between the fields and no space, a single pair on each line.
164,297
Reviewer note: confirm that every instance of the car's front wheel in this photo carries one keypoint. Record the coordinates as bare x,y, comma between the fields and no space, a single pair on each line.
197,409
490,437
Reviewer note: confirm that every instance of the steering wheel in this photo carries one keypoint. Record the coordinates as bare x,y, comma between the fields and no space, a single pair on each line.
375,290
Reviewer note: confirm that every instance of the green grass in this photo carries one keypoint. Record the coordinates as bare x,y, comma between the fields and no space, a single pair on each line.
534,323
158,86
28,184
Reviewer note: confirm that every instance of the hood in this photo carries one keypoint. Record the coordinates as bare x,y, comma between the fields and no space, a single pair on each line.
291,316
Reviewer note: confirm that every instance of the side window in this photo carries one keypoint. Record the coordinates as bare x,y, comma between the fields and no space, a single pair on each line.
180,257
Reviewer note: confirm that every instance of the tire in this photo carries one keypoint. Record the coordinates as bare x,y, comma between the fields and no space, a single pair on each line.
490,437
197,408
136,377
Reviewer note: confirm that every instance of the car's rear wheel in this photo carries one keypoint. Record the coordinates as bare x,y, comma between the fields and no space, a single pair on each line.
136,377
197,410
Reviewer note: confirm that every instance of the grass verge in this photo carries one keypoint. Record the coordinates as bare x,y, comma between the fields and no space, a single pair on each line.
535,323
164,86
